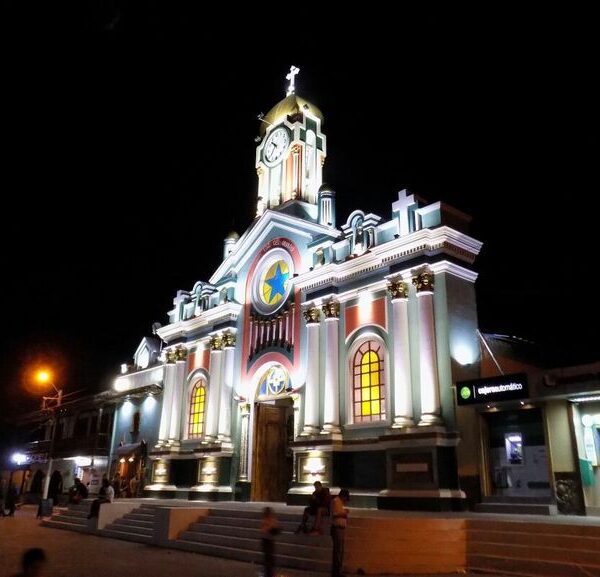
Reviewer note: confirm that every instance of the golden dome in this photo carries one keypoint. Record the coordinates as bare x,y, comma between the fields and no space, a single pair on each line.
289,106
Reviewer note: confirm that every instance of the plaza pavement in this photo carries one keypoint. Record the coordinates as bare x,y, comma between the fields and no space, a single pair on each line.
73,554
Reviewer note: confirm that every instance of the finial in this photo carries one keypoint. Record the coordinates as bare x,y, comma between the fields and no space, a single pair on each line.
291,77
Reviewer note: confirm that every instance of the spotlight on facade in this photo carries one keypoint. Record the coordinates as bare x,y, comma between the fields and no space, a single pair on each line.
122,460
18,458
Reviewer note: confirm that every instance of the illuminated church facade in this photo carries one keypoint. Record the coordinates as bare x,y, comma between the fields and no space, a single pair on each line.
318,350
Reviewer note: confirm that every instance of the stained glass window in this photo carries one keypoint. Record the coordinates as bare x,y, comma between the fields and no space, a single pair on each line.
368,383
274,381
197,405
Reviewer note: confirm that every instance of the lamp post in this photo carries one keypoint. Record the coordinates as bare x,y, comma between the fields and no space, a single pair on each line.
49,403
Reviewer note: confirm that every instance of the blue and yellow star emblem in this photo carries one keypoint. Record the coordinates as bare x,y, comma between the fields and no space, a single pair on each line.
275,283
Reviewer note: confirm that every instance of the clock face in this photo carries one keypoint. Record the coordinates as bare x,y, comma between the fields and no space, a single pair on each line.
276,145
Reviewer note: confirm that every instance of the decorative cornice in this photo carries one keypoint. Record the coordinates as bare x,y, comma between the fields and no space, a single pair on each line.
331,310
424,281
224,312
312,315
216,343
398,289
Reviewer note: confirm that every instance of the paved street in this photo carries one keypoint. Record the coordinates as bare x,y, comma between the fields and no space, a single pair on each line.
77,555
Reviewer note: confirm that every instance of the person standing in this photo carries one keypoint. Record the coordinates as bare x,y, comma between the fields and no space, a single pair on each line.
11,499
269,527
339,520
2,497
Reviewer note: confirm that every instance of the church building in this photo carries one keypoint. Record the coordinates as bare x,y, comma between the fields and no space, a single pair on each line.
319,349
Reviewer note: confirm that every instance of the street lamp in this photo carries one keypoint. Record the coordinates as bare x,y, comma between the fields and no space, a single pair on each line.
44,377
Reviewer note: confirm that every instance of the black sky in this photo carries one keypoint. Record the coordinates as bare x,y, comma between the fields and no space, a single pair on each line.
128,155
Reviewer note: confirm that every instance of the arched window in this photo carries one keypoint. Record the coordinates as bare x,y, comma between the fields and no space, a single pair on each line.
197,406
368,383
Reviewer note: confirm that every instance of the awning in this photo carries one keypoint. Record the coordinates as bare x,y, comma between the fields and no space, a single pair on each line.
131,448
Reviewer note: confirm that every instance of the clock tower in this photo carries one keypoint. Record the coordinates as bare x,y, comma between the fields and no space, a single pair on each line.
290,155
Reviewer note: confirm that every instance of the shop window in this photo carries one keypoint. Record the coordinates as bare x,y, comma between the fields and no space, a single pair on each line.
196,415
514,448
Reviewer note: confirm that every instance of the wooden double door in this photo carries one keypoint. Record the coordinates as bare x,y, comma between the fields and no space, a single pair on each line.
272,460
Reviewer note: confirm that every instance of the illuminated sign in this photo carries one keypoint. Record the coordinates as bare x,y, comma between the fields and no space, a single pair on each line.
493,390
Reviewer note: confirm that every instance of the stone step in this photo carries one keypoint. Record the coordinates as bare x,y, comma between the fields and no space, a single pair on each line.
517,508
118,526
71,520
286,561
56,523
528,567
75,513
251,523
139,517
288,517
299,550
580,542
286,536
531,527
125,535
541,553
136,522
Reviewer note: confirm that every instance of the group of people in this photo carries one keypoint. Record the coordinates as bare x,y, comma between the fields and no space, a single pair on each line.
8,499
321,505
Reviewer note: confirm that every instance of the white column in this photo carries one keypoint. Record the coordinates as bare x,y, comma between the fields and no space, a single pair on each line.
227,390
178,396
430,392
403,405
214,388
331,401
245,413
311,387
167,400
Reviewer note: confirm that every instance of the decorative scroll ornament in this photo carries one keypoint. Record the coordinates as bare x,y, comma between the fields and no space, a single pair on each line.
424,281
216,343
180,353
229,339
398,289
331,310
312,315
170,356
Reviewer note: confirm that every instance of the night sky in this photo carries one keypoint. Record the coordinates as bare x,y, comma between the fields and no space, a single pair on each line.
128,134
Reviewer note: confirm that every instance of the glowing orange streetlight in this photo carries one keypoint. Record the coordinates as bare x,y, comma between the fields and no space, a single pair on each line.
43,376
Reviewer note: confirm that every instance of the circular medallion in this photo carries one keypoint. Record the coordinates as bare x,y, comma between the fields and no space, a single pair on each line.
272,281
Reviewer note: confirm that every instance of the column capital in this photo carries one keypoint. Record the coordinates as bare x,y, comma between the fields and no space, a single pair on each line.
424,281
296,149
312,315
398,289
170,356
216,343
229,339
331,310
181,353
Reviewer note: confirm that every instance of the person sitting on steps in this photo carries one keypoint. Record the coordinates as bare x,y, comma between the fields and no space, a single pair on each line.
318,507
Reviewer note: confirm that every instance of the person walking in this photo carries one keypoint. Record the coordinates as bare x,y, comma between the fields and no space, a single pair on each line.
269,527
339,520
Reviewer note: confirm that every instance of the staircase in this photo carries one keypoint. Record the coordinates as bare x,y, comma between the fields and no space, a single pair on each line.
74,518
528,549
517,505
137,526
235,535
